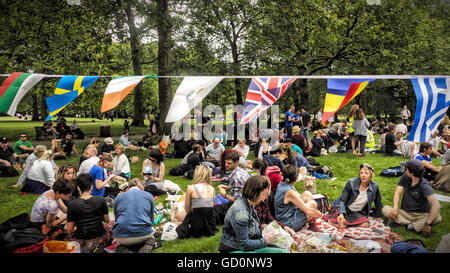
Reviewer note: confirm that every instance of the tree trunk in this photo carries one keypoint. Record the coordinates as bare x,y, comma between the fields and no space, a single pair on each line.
44,109
304,95
138,116
164,91
35,106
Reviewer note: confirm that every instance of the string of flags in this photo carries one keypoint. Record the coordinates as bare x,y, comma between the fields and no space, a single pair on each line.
432,92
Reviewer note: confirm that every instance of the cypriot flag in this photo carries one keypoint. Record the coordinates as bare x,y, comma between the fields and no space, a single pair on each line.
118,88
191,92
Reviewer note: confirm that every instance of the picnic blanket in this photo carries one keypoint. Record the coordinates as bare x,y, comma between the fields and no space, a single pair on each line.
377,230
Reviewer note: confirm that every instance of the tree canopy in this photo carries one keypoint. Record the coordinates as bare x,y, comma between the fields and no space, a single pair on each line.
229,37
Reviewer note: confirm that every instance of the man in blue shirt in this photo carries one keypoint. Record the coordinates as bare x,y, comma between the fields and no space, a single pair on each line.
289,120
424,155
133,211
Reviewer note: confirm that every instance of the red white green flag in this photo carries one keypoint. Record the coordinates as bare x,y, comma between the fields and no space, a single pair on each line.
14,88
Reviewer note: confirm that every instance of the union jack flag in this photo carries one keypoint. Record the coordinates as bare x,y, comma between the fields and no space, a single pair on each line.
261,94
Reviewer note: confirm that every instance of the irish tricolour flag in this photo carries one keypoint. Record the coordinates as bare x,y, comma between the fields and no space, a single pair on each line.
118,88
14,88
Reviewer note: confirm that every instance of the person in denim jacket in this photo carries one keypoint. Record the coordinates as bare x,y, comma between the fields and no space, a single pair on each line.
355,204
242,230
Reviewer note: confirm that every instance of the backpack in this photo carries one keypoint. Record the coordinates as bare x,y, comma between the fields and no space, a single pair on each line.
178,170
393,172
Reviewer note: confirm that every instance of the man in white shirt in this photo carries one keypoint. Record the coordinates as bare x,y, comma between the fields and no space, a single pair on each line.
406,114
243,151
214,150
90,153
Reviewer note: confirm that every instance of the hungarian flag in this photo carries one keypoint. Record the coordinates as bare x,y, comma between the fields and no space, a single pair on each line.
340,92
118,88
14,88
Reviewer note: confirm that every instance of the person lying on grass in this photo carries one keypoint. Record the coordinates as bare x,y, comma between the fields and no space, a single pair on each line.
354,206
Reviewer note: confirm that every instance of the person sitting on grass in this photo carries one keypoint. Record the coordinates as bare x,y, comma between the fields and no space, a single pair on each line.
275,157
126,143
45,208
354,205
38,151
242,230
7,157
424,155
23,148
214,150
41,175
133,212
91,158
100,174
235,180
85,215
199,217
107,147
153,170
121,163
66,172
292,208
243,151
419,208
67,146
317,145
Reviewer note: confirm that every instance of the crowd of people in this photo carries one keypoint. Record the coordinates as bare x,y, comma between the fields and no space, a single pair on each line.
251,193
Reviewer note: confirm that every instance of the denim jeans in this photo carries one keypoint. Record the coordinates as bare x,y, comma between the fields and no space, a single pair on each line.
362,143
305,133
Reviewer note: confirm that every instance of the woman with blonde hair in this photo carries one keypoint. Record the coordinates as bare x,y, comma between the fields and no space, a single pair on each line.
41,175
354,206
121,163
200,218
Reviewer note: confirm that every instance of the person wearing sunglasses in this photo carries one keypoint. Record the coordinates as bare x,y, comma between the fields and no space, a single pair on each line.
23,148
354,205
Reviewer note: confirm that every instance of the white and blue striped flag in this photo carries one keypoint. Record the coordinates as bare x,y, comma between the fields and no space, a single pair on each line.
433,100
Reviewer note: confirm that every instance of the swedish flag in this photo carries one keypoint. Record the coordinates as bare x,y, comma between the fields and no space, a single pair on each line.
67,89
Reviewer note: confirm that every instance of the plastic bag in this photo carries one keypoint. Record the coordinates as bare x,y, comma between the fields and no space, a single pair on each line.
169,232
283,238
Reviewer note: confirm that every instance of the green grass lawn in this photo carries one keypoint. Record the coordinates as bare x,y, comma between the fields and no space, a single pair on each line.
343,166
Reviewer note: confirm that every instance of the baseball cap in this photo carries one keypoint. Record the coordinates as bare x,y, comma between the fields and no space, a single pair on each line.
3,140
414,165
108,141
148,170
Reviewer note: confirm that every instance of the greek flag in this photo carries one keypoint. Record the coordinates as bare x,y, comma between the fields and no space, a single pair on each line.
433,100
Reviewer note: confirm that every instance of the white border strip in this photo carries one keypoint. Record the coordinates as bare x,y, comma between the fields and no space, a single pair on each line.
381,77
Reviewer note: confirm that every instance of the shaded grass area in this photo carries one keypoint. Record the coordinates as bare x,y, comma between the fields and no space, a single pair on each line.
343,167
